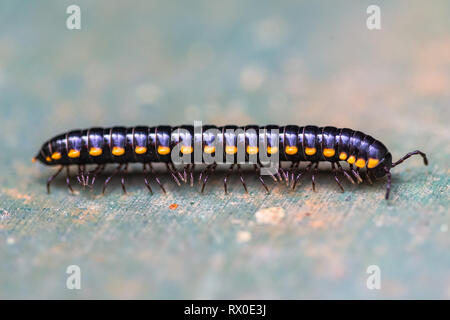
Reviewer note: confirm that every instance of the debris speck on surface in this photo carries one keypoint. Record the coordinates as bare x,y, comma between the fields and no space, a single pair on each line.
272,215
243,236
17,195
236,221
173,206
316,224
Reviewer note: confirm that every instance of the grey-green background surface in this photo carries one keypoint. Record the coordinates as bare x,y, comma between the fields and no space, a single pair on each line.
173,62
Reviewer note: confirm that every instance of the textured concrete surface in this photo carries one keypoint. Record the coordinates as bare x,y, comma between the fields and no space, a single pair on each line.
239,62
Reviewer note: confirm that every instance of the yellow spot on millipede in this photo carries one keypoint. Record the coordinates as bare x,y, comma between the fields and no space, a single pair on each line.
186,149
360,163
118,151
230,149
162,150
56,155
95,152
272,150
252,150
140,150
351,160
372,163
74,153
291,150
328,152
209,149
310,151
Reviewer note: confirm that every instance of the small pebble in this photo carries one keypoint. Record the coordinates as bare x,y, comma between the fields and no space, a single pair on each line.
243,236
272,215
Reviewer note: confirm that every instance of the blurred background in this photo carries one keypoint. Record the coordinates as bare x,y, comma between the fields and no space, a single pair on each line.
226,62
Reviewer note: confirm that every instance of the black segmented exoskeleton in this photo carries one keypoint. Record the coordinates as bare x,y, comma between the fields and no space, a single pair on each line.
194,145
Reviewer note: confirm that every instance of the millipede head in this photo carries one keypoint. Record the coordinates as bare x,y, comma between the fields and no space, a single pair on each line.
385,163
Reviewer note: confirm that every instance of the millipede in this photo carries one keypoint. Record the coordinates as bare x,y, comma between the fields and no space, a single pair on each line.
209,145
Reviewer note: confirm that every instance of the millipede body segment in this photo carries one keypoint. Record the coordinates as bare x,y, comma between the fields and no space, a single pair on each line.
188,145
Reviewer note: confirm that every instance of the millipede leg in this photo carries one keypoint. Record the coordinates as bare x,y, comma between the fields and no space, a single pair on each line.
288,173
147,184
285,174
88,173
175,171
293,170
358,170
49,181
300,175
86,179
96,172
410,154
272,176
242,178
68,179
93,173
333,168
152,171
110,177
185,173
230,169
258,173
191,174
83,170
345,173
200,177
313,176
122,179
388,185
356,174
270,173
211,170
80,176
369,180
280,179
172,173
